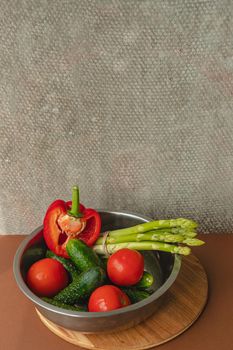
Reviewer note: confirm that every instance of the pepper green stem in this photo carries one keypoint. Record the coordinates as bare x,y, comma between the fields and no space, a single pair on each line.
74,211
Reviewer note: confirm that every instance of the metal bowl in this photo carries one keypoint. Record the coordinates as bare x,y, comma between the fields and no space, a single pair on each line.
164,267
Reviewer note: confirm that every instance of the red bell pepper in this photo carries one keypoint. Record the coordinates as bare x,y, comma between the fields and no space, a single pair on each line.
65,220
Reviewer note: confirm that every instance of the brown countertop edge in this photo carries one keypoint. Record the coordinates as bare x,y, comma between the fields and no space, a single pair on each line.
20,327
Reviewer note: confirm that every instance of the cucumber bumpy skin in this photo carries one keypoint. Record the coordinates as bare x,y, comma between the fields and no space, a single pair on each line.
81,255
68,265
63,305
146,281
135,295
82,287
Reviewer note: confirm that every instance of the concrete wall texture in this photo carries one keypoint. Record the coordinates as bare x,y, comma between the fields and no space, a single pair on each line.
132,100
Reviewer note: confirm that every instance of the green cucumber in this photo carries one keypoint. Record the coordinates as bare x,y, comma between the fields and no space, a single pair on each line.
63,305
81,255
135,295
82,287
146,281
68,265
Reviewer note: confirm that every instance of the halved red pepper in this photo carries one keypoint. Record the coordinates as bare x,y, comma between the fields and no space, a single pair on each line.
65,220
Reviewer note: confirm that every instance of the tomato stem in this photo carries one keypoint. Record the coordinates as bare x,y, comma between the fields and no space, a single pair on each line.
74,211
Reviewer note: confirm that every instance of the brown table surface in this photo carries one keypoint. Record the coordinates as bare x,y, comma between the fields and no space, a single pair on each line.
20,327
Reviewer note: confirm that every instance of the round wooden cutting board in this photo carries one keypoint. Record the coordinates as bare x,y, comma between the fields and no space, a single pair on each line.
180,307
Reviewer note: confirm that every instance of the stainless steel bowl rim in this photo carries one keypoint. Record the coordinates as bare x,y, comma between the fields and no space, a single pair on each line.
83,314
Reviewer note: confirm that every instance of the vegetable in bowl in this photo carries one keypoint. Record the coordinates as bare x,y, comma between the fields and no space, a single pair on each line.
90,280
65,220
74,242
164,267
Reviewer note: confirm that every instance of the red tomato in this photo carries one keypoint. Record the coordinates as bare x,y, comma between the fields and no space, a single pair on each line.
47,277
125,267
107,298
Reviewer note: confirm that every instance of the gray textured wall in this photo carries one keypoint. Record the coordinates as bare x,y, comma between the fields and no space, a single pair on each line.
132,100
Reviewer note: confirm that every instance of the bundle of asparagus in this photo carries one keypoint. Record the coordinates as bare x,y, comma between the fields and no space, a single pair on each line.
174,236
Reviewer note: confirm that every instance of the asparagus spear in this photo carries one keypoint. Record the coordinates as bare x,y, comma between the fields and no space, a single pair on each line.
151,236
154,225
145,245
164,231
176,230
193,242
